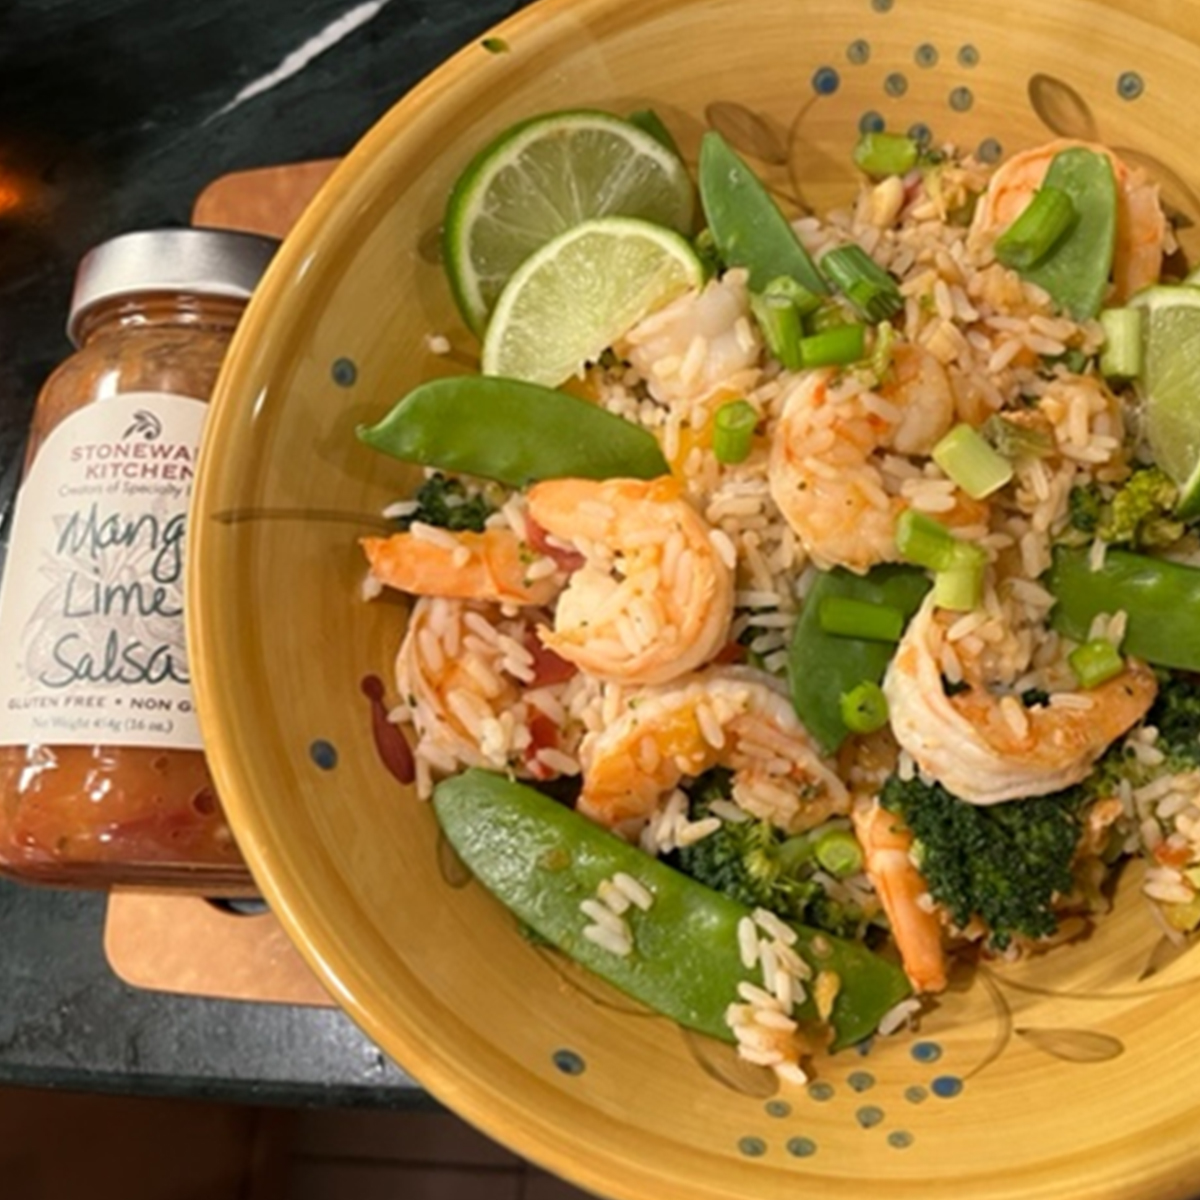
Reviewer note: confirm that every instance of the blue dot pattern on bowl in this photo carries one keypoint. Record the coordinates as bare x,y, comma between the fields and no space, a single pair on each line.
968,56
1130,85
344,372
961,99
882,6
568,1062
825,81
324,754
926,1052
946,1086
989,150
870,122
925,55
896,84
900,1139
861,1081
778,1108
920,133
801,1147
821,1091
858,52
869,1116
916,1094
752,1147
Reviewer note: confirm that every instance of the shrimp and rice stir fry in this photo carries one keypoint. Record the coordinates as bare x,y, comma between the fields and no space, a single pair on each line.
628,638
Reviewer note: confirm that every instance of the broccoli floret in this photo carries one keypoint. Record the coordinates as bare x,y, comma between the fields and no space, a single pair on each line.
1138,514
756,864
1085,508
1008,864
446,503
741,859
1003,863
1175,713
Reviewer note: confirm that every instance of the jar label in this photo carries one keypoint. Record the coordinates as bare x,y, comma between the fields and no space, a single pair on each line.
91,608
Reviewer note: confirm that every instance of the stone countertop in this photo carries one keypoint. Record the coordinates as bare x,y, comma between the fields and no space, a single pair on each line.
114,114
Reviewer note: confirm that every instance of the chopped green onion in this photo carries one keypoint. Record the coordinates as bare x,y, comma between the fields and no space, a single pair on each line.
838,851
781,325
960,587
831,315
733,431
881,350
860,619
1043,223
928,543
880,154
1121,357
864,708
868,287
790,289
1095,661
971,463
836,347
1015,441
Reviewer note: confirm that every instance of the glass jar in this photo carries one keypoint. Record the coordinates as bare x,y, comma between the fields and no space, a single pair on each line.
102,774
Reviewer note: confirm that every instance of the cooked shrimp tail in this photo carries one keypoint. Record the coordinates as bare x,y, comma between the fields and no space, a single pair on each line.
492,565
887,849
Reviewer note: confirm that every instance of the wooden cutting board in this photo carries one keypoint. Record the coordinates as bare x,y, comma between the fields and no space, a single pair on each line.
175,943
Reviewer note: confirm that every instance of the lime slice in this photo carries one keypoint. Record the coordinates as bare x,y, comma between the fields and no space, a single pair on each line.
570,300
541,177
1170,385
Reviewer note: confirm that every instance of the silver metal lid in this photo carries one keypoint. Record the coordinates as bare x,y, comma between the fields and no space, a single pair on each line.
202,262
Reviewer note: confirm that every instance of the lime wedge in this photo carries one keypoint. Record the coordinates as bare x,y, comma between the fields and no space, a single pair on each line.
570,300
541,177
1170,385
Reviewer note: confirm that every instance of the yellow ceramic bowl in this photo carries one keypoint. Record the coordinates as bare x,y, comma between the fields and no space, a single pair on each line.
1075,1075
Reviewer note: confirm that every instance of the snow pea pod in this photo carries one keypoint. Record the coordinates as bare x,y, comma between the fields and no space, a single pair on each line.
823,667
1076,271
746,223
542,860
1160,598
513,432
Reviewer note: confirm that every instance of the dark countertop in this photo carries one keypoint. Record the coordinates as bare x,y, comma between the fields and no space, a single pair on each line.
104,124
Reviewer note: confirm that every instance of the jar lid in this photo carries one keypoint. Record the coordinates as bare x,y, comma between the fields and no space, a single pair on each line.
202,262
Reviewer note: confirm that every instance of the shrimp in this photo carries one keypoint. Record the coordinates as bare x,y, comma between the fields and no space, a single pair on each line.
654,596
701,343
986,748
1141,225
724,716
826,471
479,692
887,844
492,565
